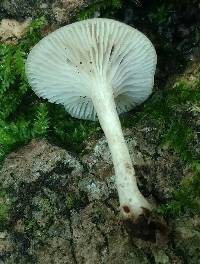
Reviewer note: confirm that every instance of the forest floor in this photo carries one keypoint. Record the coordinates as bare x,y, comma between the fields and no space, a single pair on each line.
58,202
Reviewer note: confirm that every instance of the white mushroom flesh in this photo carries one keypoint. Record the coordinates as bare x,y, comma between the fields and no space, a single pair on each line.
98,68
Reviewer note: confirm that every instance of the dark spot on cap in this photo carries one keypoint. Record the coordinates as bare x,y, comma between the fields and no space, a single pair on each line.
111,52
112,49
80,62
121,60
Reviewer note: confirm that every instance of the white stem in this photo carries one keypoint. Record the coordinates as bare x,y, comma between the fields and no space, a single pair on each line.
131,200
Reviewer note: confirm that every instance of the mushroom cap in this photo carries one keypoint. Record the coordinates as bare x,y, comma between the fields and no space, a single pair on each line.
64,66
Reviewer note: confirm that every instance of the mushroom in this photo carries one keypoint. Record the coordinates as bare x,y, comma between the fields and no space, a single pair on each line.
98,68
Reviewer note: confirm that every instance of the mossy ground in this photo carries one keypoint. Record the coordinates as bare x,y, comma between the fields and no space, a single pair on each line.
174,106
176,114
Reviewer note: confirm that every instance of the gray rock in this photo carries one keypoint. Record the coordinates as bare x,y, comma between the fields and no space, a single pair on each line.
57,11
99,238
187,238
56,250
65,210
38,158
158,171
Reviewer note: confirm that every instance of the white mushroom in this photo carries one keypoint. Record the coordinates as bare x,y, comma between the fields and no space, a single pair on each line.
98,68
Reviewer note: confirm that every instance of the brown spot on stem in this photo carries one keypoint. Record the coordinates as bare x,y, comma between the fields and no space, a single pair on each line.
126,209
128,166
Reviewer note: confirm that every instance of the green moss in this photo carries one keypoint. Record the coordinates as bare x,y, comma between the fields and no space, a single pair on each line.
17,124
69,202
40,217
69,131
45,205
24,116
31,225
161,14
178,128
186,199
41,122
171,112
76,202
5,207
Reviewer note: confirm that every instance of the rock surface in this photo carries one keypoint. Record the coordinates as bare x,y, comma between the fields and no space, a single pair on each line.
11,30
65,209
57,11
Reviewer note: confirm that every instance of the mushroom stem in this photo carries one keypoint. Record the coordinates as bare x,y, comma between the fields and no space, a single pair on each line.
132,202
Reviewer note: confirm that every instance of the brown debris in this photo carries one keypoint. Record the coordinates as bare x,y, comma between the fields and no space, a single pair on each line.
11,30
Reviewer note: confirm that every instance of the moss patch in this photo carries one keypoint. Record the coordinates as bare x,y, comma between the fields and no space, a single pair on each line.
5,208
176,115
